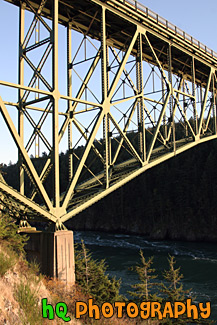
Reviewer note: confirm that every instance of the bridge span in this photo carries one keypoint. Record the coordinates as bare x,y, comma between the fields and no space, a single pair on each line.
137,91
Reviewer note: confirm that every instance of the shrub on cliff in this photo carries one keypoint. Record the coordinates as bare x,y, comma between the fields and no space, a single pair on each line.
9,235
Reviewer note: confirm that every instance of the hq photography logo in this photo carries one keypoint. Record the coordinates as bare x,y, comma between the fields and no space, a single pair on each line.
145,310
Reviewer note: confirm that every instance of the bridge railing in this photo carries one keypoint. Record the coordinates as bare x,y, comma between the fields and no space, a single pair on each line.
178,31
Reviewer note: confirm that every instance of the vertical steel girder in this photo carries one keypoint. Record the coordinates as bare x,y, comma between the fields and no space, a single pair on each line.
104,97
55,115
69,85
21,82
140,103
127,132
204,103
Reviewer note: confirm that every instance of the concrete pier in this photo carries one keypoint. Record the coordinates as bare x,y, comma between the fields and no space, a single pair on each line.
54,251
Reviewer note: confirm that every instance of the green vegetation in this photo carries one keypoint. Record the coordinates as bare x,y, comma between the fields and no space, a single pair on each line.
169,291
12,243
92,278
6,262
173,288
28,301
9,235
26,283
143,291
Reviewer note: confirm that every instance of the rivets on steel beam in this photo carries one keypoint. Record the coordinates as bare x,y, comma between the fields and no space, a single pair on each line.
139,127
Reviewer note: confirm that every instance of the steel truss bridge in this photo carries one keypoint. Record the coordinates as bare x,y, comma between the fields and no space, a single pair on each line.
137,91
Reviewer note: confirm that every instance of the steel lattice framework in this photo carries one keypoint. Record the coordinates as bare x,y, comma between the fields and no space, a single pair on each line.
139,91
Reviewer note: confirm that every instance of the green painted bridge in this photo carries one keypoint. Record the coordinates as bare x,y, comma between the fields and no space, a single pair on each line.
136,91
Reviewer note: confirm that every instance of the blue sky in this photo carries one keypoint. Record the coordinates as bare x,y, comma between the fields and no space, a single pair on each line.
192,16
196,17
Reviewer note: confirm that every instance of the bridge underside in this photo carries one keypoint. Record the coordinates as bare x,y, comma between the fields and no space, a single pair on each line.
136,92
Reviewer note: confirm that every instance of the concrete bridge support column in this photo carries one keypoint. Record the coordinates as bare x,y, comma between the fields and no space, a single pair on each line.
54,251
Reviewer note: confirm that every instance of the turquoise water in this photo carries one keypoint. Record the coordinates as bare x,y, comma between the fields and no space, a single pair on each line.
198,261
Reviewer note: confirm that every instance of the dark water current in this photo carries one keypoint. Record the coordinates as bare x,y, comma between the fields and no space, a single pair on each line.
198,261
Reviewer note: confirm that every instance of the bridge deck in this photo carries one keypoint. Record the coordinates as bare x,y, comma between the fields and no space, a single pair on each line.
124,173
122,17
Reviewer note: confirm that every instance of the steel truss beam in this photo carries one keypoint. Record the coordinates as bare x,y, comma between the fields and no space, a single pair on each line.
135,97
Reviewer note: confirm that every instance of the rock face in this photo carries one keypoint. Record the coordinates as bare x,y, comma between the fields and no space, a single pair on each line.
22,291
175,200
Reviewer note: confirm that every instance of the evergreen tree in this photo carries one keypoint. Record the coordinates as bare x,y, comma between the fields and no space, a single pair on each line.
143,291
91,276
173,289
